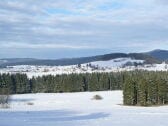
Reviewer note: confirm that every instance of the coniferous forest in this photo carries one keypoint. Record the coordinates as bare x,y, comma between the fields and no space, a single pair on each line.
145,88
139,87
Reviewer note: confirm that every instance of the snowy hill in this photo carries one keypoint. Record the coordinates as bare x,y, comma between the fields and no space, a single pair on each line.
81,60
118,62
114,65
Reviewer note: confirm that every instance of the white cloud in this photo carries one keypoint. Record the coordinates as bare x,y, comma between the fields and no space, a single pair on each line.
14,45
83,23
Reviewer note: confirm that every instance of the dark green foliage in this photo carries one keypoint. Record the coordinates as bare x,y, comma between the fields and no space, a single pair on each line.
129,90
16,83
19,83
139,87
5,87
146,88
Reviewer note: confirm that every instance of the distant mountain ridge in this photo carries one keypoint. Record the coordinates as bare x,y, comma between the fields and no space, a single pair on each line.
155,56
159,54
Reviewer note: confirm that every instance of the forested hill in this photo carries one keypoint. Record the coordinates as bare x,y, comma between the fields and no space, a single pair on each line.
73,61
159,54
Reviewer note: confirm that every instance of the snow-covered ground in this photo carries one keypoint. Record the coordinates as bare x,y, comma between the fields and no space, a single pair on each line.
114,65
118,62
78,109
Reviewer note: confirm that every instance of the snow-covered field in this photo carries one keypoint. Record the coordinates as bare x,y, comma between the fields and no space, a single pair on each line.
78,109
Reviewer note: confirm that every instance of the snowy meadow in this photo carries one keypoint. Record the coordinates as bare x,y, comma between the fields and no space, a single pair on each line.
74,109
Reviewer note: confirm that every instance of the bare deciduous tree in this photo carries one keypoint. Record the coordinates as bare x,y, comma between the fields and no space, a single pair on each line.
4,98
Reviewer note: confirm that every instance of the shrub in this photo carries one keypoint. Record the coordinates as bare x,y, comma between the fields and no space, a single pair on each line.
4,101
97,97
30,103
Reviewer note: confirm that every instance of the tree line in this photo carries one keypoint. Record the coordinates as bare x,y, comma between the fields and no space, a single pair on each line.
139,87
145,88
20,83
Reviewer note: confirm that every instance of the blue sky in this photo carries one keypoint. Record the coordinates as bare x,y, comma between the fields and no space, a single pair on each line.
74,28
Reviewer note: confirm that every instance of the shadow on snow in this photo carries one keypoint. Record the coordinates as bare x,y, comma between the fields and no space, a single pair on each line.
21,117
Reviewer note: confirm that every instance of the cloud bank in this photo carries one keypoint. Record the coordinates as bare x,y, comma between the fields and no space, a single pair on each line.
110,25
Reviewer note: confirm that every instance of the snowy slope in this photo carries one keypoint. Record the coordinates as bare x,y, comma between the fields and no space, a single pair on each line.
78,109
114,65
101,66
118,62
